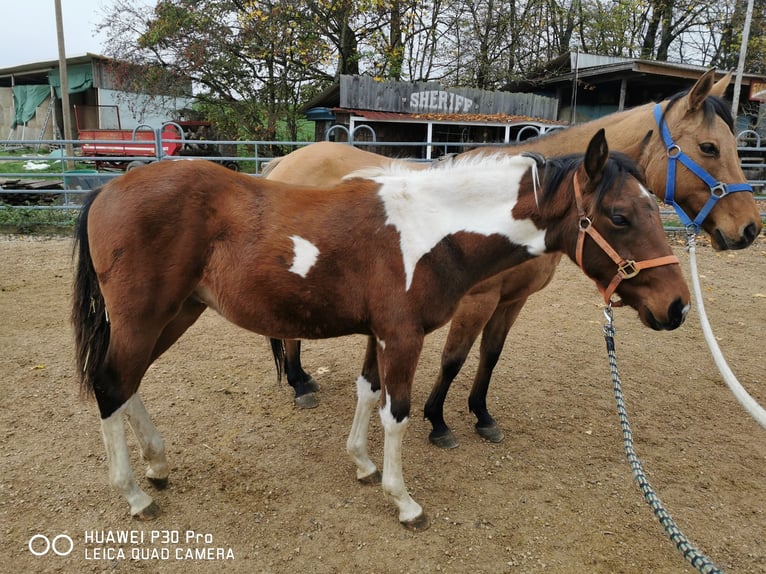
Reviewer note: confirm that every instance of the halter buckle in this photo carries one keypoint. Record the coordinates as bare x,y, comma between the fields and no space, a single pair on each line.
628,269
719,190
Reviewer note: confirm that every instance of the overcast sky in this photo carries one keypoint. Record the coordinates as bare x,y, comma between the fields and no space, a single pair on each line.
28,32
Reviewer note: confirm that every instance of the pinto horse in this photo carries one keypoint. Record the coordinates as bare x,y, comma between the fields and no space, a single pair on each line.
386,253
697,124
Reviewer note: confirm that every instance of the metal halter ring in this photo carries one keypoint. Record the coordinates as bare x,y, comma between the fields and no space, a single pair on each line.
674,150
719,190
585,223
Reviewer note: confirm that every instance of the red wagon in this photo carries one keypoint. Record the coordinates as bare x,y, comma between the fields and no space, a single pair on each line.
107,147
126,149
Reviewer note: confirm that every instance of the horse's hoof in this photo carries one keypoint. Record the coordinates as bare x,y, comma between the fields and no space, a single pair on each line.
149,513
491,433
307,401
312,385
158,483
445,440
418,524
371,479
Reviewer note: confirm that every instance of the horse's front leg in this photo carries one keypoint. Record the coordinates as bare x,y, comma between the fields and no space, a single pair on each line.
368,397
150,441
472,315
492,341
397,359
118,458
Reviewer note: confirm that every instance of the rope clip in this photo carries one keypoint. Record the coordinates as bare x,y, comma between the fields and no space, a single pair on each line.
609,316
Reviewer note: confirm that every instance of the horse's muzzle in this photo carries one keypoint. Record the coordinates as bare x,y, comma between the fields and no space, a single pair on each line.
749,234
676,316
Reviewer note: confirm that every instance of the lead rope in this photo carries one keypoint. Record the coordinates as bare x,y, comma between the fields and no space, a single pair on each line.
701,562
739,392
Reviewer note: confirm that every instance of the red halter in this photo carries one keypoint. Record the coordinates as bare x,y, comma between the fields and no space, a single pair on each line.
625,268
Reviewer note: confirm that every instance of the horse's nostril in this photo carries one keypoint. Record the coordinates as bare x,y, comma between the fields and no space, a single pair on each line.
750,232
677,313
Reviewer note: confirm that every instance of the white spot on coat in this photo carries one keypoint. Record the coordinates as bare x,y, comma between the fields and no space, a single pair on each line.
305,255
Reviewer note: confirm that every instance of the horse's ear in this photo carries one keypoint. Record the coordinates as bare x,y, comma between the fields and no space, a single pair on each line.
700,90
596,155
719,88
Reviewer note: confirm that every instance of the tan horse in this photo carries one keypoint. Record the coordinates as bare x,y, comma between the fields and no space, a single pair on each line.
700,124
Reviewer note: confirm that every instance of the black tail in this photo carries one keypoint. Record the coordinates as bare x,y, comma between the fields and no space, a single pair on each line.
91,325
278,349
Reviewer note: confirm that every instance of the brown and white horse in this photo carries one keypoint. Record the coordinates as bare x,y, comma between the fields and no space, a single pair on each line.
699,124
389,256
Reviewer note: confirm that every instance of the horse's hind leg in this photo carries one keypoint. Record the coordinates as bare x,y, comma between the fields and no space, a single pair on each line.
116,394
149,439
368,397
303,384
120,472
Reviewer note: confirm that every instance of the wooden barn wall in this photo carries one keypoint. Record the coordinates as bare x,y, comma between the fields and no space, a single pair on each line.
366,93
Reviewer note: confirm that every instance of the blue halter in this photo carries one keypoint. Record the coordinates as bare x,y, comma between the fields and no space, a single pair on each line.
717,189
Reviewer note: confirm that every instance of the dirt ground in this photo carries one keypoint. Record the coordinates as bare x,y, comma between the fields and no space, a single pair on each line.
259,486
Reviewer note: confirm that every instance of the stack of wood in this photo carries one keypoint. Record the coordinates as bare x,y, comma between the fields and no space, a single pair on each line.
20,191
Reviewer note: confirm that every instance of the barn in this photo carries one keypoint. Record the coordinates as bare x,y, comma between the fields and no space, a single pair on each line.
31,105
424,119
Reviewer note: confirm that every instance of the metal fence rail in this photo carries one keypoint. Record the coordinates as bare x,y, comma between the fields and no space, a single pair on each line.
67,178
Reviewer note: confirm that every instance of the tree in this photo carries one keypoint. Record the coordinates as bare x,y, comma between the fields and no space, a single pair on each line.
254,62
251,62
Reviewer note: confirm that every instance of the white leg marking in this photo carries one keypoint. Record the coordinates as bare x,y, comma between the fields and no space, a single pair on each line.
393,479
149,438
356,445
118,459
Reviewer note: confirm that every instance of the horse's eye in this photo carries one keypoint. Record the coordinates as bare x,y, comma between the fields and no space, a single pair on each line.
620,220
710,149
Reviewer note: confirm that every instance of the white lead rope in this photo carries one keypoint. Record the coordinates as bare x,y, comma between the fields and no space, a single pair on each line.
748,402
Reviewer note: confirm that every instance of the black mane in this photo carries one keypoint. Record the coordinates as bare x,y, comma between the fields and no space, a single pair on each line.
618,167
712,106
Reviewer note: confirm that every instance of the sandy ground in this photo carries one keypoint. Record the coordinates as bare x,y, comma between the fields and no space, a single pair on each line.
259,486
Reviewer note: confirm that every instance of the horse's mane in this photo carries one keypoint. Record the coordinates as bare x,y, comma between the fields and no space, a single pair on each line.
269,166
617,168
712,106
459,163
555,170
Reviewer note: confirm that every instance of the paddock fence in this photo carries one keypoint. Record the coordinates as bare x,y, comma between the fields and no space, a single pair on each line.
53,176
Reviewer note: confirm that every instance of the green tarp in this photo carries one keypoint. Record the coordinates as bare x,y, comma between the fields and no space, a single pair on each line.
26,99
79,78
25,102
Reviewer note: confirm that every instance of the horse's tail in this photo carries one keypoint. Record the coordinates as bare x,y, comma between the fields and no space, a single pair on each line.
269,167
91,324
278,349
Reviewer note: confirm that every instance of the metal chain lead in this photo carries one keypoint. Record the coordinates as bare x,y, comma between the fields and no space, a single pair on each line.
701,562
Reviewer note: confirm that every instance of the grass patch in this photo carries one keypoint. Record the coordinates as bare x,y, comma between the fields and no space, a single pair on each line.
27,220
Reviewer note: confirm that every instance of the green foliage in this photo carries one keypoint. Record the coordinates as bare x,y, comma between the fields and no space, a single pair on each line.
26,220
253,63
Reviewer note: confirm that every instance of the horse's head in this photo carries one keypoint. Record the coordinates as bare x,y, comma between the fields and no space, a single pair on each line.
697,125
615,234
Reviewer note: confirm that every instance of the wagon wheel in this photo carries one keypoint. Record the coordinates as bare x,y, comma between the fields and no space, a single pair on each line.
232,165
134,164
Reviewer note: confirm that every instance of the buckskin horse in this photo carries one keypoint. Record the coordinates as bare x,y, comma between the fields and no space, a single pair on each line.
695,125
387,253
